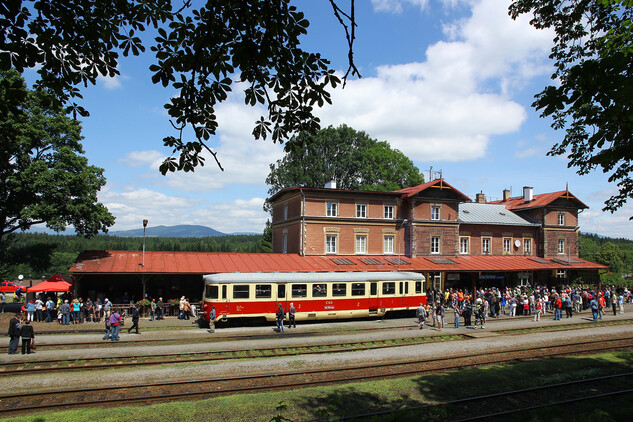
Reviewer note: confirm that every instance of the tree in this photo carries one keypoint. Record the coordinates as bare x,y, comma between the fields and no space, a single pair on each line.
352,158
592,98
201,52
610,254
44,178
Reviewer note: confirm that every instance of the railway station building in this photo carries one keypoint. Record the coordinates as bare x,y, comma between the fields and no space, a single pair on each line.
432,228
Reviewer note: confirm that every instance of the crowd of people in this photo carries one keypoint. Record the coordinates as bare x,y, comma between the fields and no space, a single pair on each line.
519,301
67,311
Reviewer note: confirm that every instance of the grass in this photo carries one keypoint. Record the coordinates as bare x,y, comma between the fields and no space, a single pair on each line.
388,395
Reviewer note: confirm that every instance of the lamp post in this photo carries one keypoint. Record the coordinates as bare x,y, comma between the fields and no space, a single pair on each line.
144,226
405,221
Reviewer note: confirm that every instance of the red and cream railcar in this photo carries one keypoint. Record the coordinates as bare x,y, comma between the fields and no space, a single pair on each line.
331,295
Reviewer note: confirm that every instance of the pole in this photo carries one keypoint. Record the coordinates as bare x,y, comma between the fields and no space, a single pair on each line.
144,226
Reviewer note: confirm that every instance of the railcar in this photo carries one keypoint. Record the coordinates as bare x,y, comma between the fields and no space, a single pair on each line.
328,295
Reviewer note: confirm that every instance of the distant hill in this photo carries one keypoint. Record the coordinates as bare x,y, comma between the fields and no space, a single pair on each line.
183,230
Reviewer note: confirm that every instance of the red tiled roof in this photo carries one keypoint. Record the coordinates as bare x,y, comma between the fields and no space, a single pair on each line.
540,200
130,262
440,183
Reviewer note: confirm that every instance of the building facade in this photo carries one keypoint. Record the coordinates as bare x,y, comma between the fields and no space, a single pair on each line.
437,223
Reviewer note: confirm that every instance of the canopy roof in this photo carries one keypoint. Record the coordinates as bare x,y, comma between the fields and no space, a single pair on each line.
130,262
56,283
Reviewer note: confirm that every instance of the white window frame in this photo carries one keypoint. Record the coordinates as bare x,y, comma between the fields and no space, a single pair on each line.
285,211
436,212
527,246
388,212
561,218
507,245
361,244
388,244
561,246
331,209
361,210
436,242
464,245
331,241
486,248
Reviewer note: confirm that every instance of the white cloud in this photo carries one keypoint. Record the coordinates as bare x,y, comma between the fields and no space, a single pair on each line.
396,6
111,82
141,158
449,106
244,159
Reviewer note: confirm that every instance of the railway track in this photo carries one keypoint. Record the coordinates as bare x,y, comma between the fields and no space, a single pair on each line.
303,334
209,387
96,363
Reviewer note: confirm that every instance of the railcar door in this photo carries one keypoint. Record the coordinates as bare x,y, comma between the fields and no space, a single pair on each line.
403,292
373,297
282,297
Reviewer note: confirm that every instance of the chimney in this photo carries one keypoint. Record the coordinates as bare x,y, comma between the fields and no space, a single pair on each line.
480,198
331,184
528,193
506,194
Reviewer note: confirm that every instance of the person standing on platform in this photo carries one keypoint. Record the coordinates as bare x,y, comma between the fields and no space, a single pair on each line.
160,308
212,316
280,318
28,334
135,317
292,312
457,312
439,312
14,334
421,314
152,309
115,323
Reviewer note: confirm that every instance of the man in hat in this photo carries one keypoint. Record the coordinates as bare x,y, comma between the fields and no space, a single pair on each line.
14,334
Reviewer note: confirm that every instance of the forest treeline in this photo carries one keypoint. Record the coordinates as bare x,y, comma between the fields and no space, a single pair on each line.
36,254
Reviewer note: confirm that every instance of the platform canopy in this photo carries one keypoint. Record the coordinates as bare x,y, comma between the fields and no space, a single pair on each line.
56,283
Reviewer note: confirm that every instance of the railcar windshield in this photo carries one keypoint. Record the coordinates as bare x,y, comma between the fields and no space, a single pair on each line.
212,292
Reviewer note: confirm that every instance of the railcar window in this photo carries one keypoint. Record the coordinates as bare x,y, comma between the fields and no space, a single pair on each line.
224,292
339,289
406,287
400,289
319,290
212,292
358,289
373,289
240,291
418,287
388,288
263,291
299,290
281,291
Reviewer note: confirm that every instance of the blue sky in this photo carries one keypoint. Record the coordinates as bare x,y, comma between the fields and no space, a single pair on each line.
447,82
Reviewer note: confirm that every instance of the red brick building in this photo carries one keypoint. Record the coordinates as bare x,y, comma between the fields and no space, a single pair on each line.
434,223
